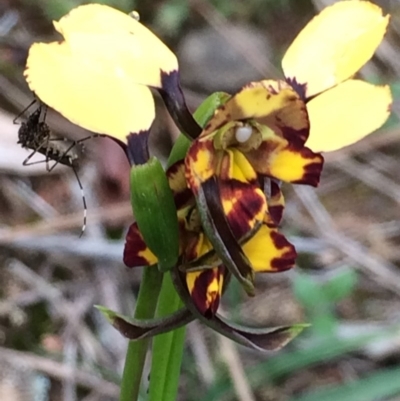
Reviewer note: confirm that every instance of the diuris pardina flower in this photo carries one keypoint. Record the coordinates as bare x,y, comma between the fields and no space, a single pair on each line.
252,142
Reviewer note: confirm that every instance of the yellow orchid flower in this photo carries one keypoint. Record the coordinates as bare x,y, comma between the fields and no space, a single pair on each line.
253,141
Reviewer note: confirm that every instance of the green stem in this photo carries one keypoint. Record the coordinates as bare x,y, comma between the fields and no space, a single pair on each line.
174,364
167,349
136,353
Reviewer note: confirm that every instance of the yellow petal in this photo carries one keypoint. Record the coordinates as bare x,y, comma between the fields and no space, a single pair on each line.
203,245
347,113
244,206
335,45
269,251
95,18
300,166
200,163
108,35
278,158
235,166
88,93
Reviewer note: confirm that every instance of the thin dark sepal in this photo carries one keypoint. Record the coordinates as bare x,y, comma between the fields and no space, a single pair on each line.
174,100
137,329
138,148
219,233
265,339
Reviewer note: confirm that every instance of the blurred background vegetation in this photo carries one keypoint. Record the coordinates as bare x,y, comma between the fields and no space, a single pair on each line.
55,346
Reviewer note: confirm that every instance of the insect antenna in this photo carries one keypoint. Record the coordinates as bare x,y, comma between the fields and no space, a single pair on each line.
83,200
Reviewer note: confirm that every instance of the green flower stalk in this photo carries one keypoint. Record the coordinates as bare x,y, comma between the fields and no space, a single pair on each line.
154,209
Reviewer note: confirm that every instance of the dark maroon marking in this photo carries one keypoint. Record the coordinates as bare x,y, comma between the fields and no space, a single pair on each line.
198,147
273,194
279,240
245,208
301,89
293,136
288,259
134,244
138,147
183,198
276,213
312,172
174,168
312,175
286,262
174,100
199,293
219,221
275,189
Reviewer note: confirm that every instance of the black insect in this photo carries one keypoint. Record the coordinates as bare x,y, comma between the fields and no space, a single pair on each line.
35,135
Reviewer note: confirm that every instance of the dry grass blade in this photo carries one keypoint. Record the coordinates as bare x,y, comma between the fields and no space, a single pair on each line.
120,212
231,357
199,348
59,371
371,177
213,17
384,272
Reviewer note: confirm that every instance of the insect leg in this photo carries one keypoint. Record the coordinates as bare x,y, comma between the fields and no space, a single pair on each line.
24,110
37,150
25,162
47,149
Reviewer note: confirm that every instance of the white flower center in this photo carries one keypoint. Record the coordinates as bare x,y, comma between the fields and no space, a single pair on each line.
243,133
